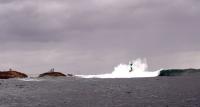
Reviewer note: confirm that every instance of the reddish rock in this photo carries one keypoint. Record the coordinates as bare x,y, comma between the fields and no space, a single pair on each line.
12,74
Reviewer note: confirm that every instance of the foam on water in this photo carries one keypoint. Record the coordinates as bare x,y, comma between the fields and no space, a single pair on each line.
123,71
30,79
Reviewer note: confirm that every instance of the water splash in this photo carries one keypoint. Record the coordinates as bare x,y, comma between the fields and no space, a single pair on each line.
139,69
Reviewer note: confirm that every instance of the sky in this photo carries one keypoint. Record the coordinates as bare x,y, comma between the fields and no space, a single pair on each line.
94,36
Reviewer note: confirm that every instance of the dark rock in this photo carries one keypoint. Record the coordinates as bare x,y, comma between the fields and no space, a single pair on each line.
12,74
70,75
52,74
179,72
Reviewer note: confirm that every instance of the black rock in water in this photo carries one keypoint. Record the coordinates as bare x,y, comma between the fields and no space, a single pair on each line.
52,74
179,72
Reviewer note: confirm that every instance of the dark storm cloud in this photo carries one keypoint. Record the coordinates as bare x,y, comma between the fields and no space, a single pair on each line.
95,35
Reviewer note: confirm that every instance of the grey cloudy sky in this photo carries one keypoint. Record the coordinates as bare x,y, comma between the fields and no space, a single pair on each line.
93,36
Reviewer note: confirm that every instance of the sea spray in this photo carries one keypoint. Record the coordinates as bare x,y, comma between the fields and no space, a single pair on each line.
139,69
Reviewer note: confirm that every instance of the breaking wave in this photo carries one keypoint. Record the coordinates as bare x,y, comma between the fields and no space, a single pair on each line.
138,69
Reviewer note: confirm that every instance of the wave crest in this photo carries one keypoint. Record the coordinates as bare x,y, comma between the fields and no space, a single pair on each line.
139,69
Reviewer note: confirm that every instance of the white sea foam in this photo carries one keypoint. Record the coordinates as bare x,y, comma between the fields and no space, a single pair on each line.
123,71
30,79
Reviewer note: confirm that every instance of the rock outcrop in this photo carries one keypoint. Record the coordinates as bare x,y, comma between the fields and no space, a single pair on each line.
179,72
12,74
52,74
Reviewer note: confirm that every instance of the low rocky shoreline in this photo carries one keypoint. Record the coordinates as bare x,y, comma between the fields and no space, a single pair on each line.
16,74
169,72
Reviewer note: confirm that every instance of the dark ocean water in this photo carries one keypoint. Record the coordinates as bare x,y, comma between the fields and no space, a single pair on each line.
182,91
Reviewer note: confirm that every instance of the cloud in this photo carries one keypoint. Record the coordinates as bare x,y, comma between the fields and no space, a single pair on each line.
102,33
